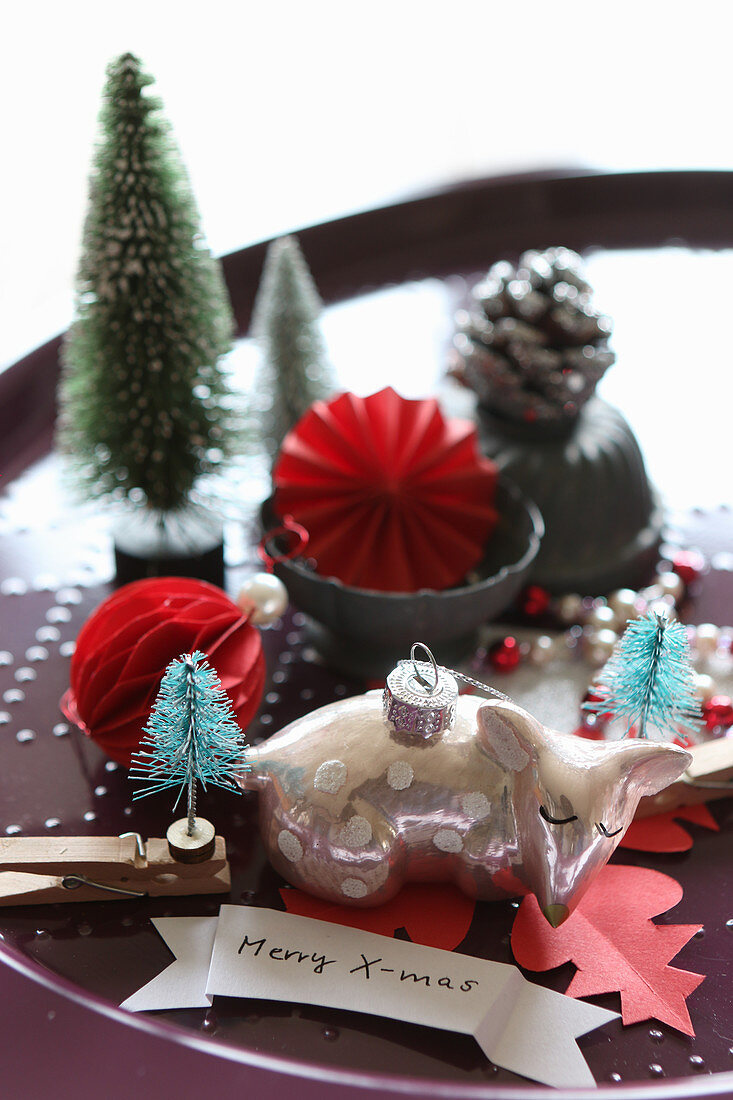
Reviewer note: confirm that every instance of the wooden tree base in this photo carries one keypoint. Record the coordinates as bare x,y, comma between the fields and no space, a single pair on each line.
195,848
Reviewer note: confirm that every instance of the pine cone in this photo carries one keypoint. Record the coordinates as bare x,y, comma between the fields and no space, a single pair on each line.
531,344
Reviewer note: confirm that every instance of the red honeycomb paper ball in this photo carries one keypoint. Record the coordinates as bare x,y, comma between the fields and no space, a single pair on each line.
125,646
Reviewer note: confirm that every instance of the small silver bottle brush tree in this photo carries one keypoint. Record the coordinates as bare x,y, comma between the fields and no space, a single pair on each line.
145,404
533,346
191,736
293,369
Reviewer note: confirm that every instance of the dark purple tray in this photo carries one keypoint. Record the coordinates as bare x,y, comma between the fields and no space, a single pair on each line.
68,966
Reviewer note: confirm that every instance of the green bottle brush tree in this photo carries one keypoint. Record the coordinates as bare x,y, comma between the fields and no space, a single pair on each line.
145,406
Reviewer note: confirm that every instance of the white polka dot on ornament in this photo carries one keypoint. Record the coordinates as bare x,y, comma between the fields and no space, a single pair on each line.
267,595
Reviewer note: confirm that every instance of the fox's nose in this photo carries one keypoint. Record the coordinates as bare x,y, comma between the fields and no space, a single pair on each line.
556,914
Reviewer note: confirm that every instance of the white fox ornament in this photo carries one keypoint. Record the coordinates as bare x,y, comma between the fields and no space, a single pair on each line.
424,785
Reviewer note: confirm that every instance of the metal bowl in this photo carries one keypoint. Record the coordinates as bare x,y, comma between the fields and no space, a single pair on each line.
364,632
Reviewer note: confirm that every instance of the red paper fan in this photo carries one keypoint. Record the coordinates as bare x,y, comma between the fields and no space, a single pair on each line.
394,496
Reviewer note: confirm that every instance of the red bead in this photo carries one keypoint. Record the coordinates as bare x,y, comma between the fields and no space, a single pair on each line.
688,565
534,601
592,696
718,712
504,656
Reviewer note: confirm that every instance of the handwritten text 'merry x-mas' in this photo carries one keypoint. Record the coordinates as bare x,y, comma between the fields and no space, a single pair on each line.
367,967
265,953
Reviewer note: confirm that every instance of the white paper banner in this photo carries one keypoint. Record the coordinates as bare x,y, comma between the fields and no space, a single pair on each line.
183,983
280,956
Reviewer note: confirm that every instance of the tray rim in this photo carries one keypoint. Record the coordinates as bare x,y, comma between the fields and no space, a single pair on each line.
346,259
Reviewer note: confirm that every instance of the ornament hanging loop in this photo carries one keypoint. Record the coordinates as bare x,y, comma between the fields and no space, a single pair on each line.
414,705
431,690
297,537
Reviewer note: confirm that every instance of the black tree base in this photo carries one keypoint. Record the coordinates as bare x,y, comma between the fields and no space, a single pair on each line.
184,544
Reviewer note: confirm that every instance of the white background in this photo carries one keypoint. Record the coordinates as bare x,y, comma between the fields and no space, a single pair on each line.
289,113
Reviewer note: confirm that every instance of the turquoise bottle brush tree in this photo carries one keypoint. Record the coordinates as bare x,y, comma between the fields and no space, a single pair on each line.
649,680
191,737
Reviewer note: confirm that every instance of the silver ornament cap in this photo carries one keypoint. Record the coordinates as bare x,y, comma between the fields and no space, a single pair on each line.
419,697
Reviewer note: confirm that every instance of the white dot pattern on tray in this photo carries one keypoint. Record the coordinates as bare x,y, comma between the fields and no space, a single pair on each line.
45,582
36,653
13,586
66,596
58,615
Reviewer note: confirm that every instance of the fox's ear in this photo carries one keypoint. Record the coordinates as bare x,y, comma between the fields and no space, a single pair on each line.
509,736
650,766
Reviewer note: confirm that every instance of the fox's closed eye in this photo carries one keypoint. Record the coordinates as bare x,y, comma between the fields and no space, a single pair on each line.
602,829
556,820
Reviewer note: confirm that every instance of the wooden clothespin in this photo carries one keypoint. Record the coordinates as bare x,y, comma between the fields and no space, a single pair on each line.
42,870
709,776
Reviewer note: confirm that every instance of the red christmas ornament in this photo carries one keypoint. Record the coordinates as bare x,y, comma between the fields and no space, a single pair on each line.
504,656
394,497
591,732
718,712
603,716
688,565
534,601
125,646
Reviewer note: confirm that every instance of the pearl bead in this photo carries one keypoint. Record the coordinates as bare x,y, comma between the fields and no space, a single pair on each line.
625,604
543,650
269,596
599,644
705,687
652,593
671,585
707,638
664,606
570,608
601,617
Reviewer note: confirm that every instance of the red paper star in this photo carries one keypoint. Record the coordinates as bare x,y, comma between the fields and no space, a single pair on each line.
615,946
